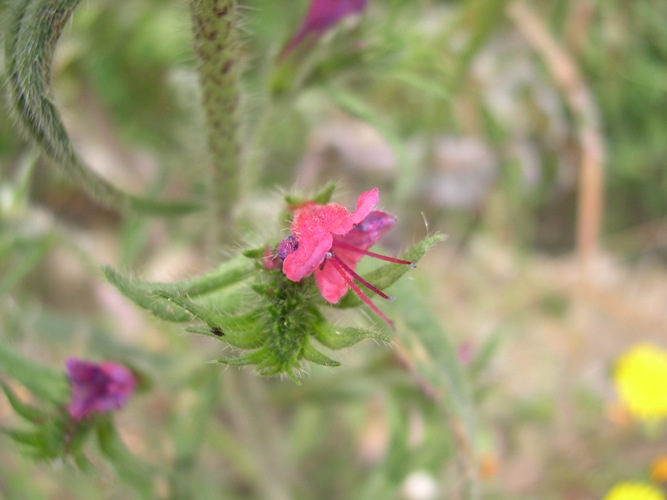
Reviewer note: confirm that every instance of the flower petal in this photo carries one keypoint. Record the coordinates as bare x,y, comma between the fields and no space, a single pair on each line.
97,388
331,284
322,15
365,203
366,233
310,254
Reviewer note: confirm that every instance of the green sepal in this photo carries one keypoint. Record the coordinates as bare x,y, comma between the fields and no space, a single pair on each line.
386,275
314,356
340,338
255,253
321,198
29,412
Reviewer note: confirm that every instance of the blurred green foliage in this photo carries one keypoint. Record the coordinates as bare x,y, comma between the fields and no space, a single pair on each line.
416,71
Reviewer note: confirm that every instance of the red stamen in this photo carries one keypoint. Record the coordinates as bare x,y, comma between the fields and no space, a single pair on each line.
352,248
341,270
361,280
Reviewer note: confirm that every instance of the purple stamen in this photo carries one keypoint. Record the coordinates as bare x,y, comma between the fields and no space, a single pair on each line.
341,270
361,280
352,248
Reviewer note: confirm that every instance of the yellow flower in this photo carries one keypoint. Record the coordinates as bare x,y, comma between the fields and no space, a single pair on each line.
641,381
634,491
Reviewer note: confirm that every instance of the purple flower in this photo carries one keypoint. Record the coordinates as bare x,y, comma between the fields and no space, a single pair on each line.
322,15
97,388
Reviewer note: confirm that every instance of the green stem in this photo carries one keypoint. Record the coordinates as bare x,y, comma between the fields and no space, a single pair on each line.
256,425
216,45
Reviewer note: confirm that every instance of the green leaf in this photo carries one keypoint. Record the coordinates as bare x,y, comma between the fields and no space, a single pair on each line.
486,352
242,331
435,359
129,468
27,438
33,29
188,429
385,276
148,295
340,338
251,358
143,294
32,252
314,356
29,412
43,381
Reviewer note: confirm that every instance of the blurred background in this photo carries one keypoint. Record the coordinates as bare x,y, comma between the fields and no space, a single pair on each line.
531,134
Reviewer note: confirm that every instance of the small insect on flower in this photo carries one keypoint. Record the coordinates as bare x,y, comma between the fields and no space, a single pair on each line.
97,388
329,241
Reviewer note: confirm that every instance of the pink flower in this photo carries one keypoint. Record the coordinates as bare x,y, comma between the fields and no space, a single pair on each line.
322,15
329,241
97,388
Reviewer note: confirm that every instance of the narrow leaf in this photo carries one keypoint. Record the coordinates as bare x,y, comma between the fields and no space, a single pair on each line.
27,411
143,294
128,467
34,27
385,276
147,294
44,382
340,338
314,356
251,358
244,331
31,254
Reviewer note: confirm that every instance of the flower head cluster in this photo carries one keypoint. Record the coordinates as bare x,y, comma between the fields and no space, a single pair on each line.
97,388
328,241
641,381
322,15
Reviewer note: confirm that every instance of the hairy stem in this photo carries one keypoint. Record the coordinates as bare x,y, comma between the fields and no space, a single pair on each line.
216,46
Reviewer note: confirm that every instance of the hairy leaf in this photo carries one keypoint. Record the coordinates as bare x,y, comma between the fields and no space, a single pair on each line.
314,356
33,29
29,412
385,276
43,381
340,338
154,296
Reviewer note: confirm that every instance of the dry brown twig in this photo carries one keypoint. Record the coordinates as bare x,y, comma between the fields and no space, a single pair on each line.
582,105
